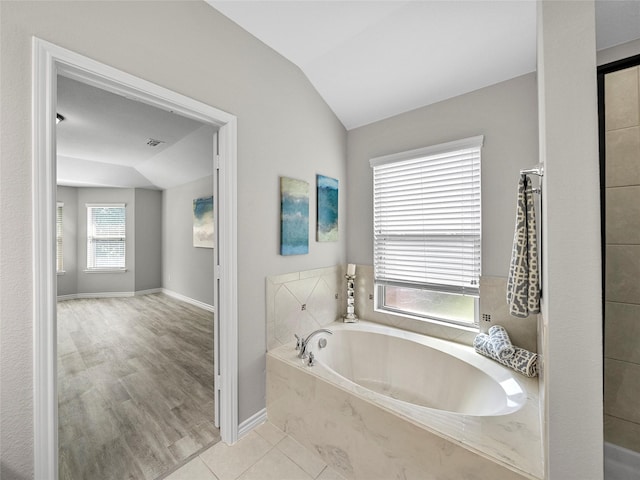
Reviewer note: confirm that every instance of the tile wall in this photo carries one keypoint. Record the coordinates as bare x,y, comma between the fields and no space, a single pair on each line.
622,288
305,301
301,302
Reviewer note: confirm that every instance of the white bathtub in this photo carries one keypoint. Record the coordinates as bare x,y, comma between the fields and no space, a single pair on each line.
372,385
423,371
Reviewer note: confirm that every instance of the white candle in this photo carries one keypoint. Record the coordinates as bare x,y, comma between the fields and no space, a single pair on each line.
351,269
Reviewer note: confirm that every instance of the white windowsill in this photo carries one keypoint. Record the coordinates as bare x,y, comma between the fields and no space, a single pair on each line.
467,327
105,270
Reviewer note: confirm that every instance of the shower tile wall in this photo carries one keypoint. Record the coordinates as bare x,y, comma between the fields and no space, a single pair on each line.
622,279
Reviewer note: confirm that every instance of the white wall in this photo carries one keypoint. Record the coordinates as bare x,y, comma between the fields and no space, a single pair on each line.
571,257
187,270
505,113
284,128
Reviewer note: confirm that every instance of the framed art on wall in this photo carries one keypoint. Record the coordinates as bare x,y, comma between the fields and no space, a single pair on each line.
327,209
294,216
203,222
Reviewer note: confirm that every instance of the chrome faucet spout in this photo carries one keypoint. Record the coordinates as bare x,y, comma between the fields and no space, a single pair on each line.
303,344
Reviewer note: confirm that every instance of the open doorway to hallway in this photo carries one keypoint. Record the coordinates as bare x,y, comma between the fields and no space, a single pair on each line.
49,61
135,286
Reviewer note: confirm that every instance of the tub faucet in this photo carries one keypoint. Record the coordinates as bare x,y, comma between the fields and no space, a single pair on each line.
302,343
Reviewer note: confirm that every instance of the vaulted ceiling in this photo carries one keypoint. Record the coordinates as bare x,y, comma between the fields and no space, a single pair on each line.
369,60
104,139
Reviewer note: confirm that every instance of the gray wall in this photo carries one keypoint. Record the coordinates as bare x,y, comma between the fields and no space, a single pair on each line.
143,245
148,246
187,270
68,282
106,282
284,128
505,113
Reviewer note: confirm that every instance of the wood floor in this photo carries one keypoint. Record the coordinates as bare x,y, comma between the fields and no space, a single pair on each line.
135,386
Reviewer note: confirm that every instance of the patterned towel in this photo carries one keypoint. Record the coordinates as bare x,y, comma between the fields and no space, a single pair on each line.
501,343
523,361
523,286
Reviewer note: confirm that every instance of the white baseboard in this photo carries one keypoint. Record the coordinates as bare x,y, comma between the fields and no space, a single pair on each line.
71,296
252,422
150,291
74,296
197,303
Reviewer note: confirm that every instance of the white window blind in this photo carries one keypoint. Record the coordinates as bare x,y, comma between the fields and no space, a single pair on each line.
59,245
106,236
427,218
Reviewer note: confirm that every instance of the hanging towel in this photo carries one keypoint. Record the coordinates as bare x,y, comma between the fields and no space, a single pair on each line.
523,286
501,343
523,361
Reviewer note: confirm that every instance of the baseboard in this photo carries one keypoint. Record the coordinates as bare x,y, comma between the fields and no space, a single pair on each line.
95,295
150,291
252,422
74,296
71,296
197,303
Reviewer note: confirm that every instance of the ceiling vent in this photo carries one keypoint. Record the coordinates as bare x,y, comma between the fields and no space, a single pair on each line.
152,142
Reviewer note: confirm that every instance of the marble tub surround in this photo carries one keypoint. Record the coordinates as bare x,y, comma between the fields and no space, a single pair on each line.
301,302
361,435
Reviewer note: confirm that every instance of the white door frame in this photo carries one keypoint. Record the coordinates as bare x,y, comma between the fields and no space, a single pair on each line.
49,61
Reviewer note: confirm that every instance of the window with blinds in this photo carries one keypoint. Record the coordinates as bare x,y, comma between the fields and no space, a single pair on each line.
106,237
427,231
59,245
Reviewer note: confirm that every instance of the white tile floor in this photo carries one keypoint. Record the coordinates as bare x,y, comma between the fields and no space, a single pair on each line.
267,453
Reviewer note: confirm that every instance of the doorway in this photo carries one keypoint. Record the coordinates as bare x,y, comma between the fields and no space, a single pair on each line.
49,61
135,310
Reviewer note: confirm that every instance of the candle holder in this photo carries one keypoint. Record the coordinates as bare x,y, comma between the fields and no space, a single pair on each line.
350,317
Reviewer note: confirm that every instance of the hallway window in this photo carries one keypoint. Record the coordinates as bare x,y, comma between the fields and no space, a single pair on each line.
106,236
427,232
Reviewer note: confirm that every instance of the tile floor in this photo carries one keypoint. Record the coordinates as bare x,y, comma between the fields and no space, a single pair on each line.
267,453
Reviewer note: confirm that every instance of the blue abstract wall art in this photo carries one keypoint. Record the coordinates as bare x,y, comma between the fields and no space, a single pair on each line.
294,216
327,206
203,222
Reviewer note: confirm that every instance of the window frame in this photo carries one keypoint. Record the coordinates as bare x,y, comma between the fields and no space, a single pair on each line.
91,238
380,300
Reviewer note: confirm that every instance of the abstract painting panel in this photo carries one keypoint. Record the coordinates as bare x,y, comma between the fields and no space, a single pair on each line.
294,216
203,222
327,196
